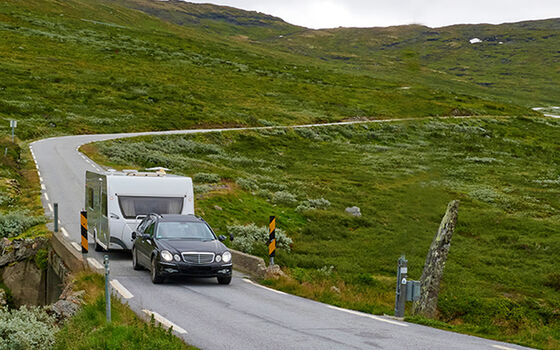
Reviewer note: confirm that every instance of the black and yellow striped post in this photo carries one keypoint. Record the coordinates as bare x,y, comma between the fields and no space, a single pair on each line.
83,225
272,239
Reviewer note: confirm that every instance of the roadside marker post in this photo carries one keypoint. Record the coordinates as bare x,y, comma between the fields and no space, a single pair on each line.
84,228
55,217
13,125
272,239
400,299
107,294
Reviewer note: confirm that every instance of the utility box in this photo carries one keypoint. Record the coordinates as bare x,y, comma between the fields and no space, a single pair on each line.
412,290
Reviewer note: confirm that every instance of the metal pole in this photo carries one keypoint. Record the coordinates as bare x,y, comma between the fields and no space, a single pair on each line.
400,300
55,217
107,295
13,132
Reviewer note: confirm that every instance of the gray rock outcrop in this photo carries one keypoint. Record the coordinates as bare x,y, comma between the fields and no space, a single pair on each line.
435,263
354,211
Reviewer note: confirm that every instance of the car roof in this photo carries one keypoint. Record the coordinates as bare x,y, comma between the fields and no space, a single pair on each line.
180,218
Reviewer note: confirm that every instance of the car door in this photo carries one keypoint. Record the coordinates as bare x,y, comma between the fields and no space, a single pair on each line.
145,245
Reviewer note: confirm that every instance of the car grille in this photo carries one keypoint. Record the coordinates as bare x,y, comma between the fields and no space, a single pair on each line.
198,258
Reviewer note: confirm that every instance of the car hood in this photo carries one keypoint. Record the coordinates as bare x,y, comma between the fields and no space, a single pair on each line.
183,245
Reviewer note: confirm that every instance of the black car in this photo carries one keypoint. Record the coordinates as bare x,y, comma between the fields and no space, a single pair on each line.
180,245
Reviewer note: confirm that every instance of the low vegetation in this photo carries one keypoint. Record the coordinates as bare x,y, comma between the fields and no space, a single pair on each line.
500,278
21,213
88,328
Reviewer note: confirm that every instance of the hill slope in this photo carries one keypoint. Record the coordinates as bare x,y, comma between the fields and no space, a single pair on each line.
83,66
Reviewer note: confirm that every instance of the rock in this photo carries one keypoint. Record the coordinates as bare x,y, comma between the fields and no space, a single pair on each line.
217,207
435,263
354,211
63,309
335,289
24,279
274,272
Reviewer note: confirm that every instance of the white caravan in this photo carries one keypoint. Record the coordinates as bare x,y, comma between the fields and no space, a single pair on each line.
117,201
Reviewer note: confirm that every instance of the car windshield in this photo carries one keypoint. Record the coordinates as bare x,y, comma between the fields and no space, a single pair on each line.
198,231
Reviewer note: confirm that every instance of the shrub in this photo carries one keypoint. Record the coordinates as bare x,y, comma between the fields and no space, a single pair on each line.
284,198
247,237
206,178
15,223
26,328
312,204
247,184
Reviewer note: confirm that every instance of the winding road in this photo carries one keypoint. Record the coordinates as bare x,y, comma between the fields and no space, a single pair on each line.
243,315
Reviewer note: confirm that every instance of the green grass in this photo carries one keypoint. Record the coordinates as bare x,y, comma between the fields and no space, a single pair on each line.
88,328
500,280
85,66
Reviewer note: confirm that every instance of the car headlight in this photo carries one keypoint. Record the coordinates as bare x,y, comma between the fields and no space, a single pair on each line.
167,256
177,257
218,258
226,257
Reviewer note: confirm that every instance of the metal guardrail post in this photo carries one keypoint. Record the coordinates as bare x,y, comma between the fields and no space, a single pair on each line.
107,294
55,217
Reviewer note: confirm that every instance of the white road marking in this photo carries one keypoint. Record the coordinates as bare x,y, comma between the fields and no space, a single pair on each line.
502,347
40,179
165,322
43,187
96,264
38,172
77,246
50,207
46,196
64,232
357,313
121,289
258,285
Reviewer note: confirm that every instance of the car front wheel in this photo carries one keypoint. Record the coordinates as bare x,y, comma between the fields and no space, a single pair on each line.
156,277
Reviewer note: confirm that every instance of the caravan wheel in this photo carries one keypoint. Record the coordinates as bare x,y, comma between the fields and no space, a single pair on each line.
98,247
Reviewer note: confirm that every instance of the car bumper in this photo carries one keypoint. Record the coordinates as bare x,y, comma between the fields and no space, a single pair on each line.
184,269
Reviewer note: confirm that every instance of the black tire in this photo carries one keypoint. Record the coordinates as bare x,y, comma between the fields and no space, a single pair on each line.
135,264
98,247
156,277
224,279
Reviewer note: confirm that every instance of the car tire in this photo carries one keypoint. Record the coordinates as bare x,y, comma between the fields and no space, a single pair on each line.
156,277
224,279
135,264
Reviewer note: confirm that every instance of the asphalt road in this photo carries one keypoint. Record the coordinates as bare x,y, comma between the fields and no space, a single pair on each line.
242,315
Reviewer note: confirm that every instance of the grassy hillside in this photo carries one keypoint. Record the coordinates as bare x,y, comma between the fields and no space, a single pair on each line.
514,63
84,66
501,279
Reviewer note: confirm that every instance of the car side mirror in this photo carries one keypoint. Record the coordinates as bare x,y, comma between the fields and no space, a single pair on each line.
146,236
133,235
231,237
221,238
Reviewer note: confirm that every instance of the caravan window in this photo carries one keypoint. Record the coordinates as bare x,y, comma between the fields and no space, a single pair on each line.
134,206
